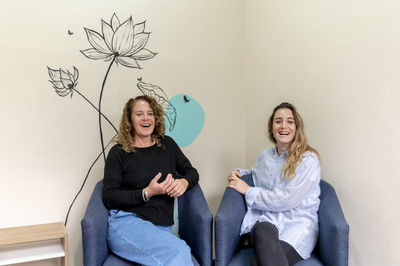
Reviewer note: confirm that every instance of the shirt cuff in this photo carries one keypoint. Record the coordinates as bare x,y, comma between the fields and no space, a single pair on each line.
251,195
243,171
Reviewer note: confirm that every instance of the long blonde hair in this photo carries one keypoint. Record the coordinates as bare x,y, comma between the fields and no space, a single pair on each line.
299,144
126,130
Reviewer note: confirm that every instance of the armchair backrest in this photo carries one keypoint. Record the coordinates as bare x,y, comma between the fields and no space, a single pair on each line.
195,224
332,247
94,229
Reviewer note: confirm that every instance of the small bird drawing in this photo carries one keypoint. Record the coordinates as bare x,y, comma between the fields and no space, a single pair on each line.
70,32
185,99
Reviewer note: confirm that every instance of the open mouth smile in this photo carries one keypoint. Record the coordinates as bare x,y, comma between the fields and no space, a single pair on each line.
284,133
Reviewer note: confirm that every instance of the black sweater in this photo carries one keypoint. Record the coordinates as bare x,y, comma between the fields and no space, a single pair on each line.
126,174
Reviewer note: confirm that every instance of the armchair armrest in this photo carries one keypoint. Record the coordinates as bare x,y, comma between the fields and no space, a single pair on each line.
94,229
195,224
334,230
228,221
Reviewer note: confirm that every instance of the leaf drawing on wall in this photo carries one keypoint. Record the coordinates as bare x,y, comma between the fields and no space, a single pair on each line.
159,94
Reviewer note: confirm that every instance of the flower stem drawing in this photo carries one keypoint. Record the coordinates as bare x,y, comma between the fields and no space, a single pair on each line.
100,98
121,43
98,110
65,84
84,181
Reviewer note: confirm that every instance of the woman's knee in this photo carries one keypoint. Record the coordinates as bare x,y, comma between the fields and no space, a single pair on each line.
179,253
182,248
264,231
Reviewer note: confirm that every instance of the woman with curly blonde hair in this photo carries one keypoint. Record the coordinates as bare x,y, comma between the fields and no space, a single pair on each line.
281,220
139,186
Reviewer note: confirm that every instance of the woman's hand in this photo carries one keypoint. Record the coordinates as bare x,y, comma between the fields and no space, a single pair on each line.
155,188
178,187
236,183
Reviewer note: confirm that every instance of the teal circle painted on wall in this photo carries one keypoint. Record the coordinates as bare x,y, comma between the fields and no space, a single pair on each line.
189,120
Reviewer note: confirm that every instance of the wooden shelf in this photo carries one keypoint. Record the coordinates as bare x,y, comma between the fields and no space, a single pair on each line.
31,243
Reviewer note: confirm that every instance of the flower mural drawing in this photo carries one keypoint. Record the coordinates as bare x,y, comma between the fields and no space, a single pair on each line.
162,99
120,43
125,44
65,84
63,81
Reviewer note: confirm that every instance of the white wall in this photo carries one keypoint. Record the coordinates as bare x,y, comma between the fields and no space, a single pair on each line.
338,62
48,142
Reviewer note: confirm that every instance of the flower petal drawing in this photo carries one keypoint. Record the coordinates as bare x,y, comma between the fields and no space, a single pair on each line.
140,42
139,27
70,75
97,41
64,82
143,54
123,43
57,84
54,74
162,99
128,62
114,22
64,75
93,54
122,40
76,73
107,33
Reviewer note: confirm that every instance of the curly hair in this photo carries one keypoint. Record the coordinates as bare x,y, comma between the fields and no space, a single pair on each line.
126,130
299,144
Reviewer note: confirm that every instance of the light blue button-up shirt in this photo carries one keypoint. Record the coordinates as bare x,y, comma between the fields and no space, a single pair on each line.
290,204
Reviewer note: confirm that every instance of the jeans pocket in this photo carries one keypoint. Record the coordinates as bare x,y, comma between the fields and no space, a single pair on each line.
112,214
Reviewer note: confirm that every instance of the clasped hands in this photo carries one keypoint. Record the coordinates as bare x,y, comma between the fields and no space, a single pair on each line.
172,187
236,183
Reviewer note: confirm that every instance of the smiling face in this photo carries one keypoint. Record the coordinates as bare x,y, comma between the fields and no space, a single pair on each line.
283,128
143,121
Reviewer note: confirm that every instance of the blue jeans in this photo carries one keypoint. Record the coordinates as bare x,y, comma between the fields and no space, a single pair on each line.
140,241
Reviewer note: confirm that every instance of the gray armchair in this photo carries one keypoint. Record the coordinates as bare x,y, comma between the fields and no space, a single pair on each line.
195,227
332,246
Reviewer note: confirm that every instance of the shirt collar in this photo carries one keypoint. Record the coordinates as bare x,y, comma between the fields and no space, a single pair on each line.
283,155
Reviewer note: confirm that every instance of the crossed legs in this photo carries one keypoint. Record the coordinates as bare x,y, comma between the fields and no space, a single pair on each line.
269,250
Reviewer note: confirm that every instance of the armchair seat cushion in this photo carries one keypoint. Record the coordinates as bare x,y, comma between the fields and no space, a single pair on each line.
113,260
243,258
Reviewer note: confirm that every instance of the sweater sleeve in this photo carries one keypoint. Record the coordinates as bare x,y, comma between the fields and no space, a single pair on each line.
307,176
184,167
114,195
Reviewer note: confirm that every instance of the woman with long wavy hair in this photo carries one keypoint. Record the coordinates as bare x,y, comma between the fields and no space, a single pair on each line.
281,220
140,184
